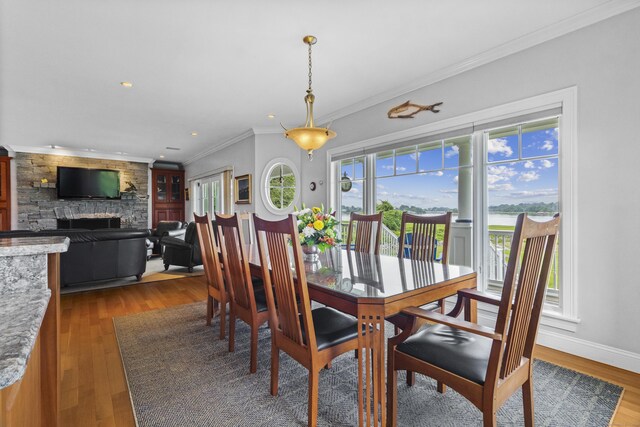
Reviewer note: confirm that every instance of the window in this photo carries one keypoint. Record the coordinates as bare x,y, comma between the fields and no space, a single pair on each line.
208,195
280,186
487,167
521,172
421,178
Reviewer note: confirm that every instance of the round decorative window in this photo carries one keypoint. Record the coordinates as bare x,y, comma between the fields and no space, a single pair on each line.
281,186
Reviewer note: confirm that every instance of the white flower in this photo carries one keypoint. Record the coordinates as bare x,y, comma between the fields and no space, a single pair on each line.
308,231
299,222
305,211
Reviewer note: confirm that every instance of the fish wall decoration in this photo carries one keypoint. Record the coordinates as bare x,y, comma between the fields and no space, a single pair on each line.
408,110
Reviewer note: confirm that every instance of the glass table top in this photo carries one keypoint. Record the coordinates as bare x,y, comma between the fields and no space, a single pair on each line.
376,276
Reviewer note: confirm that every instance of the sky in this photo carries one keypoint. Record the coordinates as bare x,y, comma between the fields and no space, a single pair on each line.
421,180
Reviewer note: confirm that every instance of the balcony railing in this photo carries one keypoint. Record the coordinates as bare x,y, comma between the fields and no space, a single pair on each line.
388,239
499,249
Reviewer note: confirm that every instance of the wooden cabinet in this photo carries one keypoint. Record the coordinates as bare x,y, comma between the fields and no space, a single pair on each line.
5,194
167,192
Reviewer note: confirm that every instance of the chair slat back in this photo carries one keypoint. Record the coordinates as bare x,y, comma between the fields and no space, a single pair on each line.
236,263
209,252
423,245
274,239
532,251
366,230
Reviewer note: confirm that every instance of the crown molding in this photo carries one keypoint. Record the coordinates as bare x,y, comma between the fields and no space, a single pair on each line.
225,144
77,153
568,25
267,130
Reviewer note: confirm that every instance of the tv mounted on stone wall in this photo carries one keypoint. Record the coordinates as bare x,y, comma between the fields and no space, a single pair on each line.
83,183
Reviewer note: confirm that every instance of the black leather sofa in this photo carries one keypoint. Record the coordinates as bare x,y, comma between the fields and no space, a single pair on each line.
165,228
97,254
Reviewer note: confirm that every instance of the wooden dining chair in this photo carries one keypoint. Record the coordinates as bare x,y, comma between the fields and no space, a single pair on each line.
246,303
484,365
424,243
217,296
364,232
312,337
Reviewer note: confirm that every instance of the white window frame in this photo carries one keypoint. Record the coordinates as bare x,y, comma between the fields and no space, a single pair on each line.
566,316
264,186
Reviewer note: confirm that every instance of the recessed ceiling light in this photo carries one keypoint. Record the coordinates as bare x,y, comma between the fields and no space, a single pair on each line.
126,84
271,116
194,133
161,156
54,146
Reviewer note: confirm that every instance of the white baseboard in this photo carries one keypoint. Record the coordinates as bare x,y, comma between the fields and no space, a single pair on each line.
608,355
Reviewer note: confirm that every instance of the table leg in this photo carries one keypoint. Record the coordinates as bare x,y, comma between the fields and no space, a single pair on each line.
371,367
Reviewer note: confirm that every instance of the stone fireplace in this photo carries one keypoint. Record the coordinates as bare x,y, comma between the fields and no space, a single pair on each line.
38,204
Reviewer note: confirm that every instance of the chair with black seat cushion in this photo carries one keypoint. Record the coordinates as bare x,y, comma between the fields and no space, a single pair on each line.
247,303
419,241
165,228
183,252
484,365
217,293
312,337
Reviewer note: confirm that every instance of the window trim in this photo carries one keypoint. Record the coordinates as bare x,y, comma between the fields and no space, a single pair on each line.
566,99
264,186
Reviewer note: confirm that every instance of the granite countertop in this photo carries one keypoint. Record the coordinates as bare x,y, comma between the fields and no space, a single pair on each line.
21,315
33,245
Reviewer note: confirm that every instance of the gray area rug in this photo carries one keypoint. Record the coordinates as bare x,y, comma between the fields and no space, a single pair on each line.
180,374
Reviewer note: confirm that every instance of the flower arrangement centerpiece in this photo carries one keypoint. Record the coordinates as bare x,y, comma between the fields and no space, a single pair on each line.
317,230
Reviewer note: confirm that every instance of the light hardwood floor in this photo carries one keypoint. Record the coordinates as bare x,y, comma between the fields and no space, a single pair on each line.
94,389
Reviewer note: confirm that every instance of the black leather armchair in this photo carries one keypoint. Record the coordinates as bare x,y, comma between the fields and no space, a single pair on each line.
165,228
183,252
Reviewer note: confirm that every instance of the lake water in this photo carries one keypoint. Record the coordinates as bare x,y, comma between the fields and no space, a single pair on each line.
505,219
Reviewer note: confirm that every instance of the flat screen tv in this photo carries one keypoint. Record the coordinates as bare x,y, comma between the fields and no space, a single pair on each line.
82,183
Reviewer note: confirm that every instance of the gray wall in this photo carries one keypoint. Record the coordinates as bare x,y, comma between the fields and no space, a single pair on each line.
241,156
603,61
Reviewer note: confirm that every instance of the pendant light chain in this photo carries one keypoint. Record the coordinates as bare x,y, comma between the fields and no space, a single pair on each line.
310,90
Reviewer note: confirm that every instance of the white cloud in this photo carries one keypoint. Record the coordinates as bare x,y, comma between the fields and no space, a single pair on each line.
452,152
536,193
500,187
388,167
413,156
500,146
455,179
496,174
546,163
449,191
528,176
438,173
381,186
548,145
529,164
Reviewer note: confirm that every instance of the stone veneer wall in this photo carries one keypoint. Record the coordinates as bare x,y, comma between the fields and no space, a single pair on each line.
38,208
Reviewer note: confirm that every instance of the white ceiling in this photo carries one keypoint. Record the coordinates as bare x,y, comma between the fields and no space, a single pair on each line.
219,67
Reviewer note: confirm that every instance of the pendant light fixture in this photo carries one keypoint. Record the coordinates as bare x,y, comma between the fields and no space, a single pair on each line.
309,137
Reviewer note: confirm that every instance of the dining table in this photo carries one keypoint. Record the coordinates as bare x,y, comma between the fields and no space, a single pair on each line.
372,288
